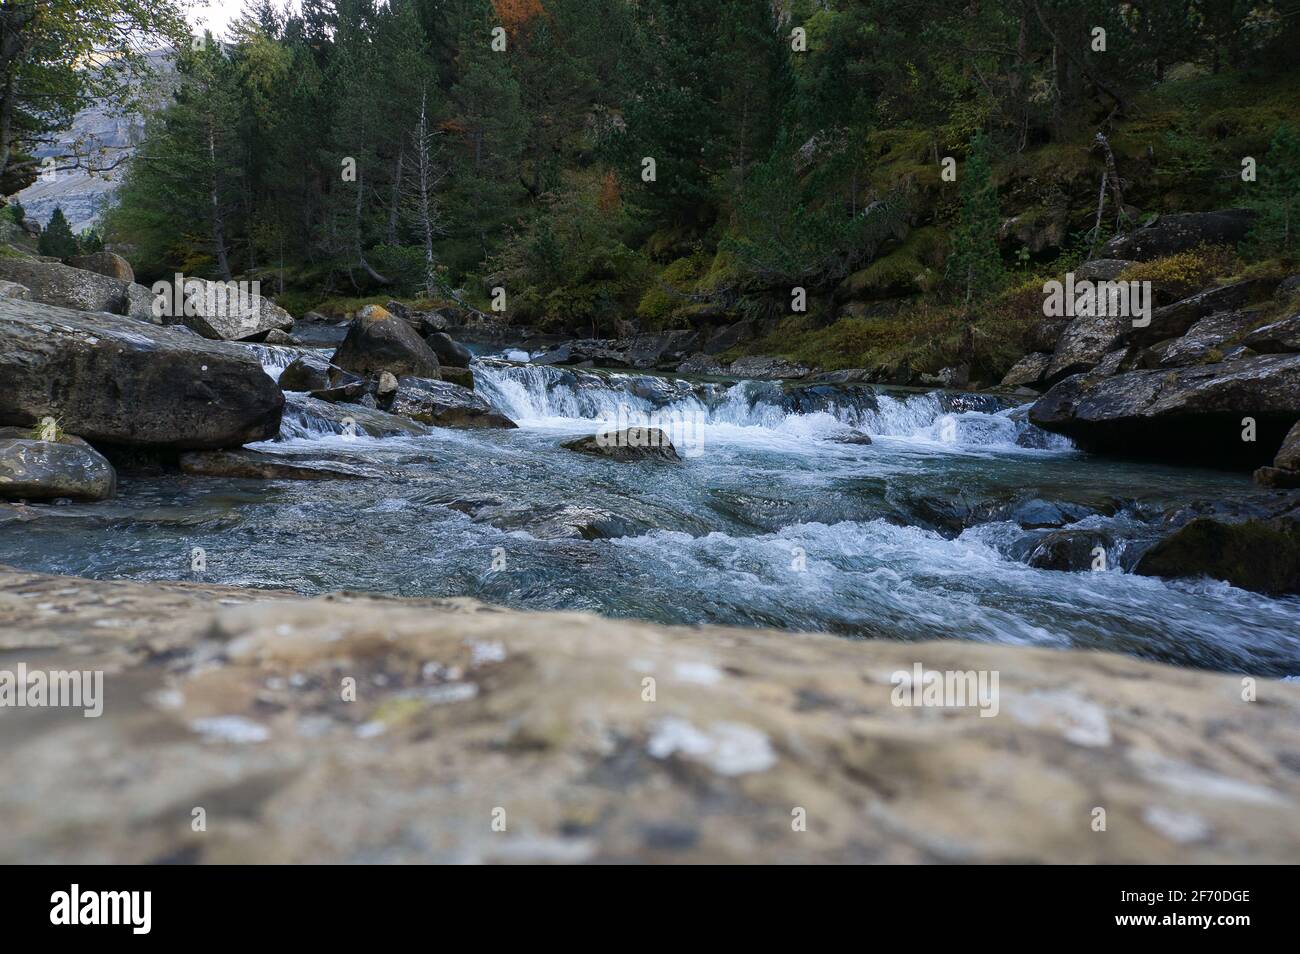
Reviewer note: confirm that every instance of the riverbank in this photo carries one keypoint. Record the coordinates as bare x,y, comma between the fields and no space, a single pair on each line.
233,701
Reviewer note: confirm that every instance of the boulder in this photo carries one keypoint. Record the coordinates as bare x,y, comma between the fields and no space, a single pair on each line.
377,341
70,468
462,376
1288,290
1172,321
1203,341
222,313
1278,337
450,353
853,437
444,404
1028,371
1085,341
468,706
256,465
1171,234
107,263
1192,413
1070,550
53,283
14,290
632,443
343,386
277,337
1285,471
767,368
307,372
113,379
1259,555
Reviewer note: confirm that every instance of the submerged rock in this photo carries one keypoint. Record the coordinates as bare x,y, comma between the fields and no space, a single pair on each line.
464,708
444,404
1260,555
47,470
1071,550
257,465
116,380
632,443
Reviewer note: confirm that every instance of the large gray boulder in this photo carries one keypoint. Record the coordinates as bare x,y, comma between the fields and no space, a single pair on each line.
113,379
378,341
56,284
444,404
1085,341
32,469
1259,555
1195,413
222,312
451,353
1171,234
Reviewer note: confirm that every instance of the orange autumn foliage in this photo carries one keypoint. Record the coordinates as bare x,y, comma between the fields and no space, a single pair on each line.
515,13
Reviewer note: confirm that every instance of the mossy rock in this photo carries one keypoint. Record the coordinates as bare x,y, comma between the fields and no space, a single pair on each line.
1259,555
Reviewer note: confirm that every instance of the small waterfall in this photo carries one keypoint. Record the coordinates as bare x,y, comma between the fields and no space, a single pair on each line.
541,393
275,358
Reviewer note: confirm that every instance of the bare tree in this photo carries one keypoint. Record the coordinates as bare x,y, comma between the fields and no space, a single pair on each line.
424,175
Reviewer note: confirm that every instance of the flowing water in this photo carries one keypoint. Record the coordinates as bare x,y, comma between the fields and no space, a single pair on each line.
768,520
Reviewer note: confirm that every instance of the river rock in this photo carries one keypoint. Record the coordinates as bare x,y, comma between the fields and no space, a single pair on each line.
107,263
1278,337
113,379
228,698
450,353
222,315
1028,371
632,443
52,283
1085,341
444,404
33,469
256,465
307,416
1185,413
1203,340
767,368
377,341
1171,234
1171,321
701,363
1259,555
1285,471
1070,550
307,372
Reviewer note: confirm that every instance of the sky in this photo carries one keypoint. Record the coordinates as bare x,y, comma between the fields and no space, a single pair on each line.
216,15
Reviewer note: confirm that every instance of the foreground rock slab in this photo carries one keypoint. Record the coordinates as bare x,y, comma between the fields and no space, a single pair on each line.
116,380
231,700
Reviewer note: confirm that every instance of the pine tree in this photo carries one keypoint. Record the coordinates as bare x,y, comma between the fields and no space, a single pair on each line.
975,264
57,239
1278,195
